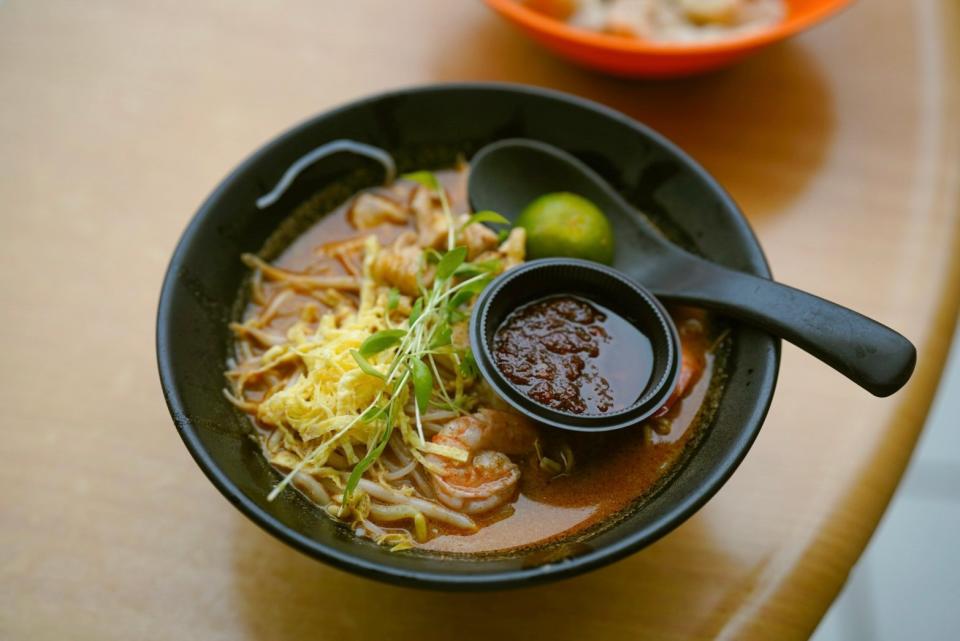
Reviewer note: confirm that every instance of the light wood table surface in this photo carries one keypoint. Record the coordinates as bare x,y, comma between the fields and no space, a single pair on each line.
118,118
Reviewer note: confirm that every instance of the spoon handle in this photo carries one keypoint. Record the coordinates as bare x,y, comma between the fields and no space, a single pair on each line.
870,354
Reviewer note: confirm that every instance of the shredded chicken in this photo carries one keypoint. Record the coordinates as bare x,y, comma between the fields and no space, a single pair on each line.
370,210
514,248
398,265
477,237
431,221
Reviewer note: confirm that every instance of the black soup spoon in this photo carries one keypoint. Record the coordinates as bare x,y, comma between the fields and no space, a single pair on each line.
508,175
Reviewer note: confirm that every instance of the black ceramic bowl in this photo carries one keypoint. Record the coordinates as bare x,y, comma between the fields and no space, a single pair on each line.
429,127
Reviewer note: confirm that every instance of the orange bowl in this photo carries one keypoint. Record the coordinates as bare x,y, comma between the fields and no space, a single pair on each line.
625,56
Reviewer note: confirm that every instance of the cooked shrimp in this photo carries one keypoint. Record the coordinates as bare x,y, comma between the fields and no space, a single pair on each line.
488,478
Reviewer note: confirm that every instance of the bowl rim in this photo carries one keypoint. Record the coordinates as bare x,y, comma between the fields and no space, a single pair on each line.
537,22
526,576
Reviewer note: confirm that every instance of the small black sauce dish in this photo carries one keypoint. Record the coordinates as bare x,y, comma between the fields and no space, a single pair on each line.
595,283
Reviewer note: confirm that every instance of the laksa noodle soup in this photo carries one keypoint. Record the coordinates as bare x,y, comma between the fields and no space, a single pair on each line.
352,361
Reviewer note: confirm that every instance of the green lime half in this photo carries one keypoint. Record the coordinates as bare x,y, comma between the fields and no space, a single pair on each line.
565,224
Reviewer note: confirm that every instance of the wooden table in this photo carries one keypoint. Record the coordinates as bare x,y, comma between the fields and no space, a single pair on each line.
117,119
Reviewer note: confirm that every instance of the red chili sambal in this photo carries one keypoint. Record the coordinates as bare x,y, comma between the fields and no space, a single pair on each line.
573,355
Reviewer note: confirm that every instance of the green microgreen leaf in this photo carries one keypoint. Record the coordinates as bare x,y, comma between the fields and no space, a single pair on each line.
415,311
420,285
426,178
483,267
478,285
441,337
373,413
365,365
468,366
431,255
384,339
450,261
485,216
372,455
455,316
502,235
393,299
422,382
462,297
467,292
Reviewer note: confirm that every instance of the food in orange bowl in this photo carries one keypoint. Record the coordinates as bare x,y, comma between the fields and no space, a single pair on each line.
652,38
